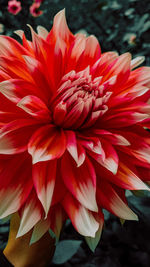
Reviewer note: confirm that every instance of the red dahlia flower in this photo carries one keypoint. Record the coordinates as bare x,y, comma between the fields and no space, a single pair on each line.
72,131
14,7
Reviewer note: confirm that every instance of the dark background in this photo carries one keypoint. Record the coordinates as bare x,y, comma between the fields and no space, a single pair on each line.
122,26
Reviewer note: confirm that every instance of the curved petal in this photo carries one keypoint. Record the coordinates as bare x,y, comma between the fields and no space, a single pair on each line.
11,141
90,54
35,107
93,241
31,213
10,47
47,143
81,181
110,161
15,185
16,89
75,148
44,175
60,29
38,74
82,219
110,200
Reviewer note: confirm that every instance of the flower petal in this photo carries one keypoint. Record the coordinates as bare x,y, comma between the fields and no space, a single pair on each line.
81,181
47,143
16,186
82,219
35,107
60,29
30,214
44,174
110,200
11,141
93,241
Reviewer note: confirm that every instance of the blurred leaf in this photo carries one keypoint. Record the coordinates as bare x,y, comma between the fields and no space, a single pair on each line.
141,193
146,26
141,22
65,250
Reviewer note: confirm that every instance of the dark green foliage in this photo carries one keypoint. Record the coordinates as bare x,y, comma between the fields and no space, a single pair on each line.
65,250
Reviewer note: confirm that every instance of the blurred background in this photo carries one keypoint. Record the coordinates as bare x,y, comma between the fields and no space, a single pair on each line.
121,26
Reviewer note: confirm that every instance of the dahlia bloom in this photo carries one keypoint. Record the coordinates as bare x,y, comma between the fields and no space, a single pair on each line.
34,9
72,131
14,7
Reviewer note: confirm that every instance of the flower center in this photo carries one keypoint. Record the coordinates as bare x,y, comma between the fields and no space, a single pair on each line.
79,101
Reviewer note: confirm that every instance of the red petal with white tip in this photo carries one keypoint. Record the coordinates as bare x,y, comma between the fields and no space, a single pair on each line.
82,219
110,200
30,214
81,181
44,175
47,143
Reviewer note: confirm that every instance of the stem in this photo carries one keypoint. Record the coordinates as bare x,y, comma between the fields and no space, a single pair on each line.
21,254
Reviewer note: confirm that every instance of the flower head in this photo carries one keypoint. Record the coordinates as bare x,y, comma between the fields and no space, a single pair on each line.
14,7
34,9
72,131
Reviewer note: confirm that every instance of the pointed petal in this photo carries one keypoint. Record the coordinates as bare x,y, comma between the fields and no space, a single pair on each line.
38,73
81,181
57,217
91,53
82,219
137,61
10,47
11,141
47,143
60,28
39,230
75,149
16,89
44,174
35,107
110,200
93,241
111,159
121,68
31,214
15,186
42,32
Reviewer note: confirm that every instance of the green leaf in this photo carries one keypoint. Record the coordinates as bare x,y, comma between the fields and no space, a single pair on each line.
93,241
65,250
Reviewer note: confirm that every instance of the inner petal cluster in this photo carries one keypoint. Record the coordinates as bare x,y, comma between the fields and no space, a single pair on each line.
80,100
